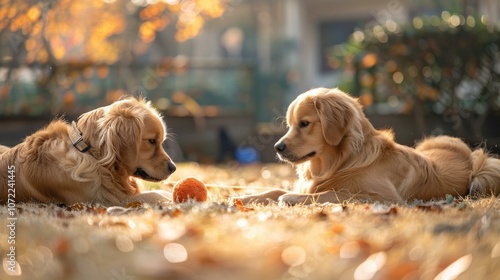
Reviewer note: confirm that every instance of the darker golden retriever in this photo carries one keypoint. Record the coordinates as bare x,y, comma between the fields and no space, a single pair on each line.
340,156
94,160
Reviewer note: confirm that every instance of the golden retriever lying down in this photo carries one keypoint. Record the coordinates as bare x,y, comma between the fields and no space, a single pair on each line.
339,156
91,161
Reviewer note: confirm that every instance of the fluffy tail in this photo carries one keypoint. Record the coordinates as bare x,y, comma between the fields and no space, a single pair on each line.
485,174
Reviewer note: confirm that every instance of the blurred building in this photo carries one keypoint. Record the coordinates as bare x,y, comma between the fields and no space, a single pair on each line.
237,76
285,43
290,37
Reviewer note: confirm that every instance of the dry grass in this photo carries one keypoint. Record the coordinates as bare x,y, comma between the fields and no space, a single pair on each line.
212,240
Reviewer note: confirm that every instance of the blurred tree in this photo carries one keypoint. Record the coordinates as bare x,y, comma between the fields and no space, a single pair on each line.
448,65
62,38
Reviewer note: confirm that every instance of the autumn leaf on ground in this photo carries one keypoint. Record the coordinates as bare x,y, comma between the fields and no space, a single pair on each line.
239,205
76,207
430,207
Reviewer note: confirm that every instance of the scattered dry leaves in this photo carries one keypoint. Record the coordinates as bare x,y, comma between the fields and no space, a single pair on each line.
324,241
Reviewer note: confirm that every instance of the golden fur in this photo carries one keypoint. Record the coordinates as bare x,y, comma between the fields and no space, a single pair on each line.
339,156
126,140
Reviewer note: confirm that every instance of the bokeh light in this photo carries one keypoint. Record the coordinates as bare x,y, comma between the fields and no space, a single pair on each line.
293,255
175,253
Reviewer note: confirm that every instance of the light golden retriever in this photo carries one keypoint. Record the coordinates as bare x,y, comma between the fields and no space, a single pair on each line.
339,156
94,160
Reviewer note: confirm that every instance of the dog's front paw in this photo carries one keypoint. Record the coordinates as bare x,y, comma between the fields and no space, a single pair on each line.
260,198
151,197
292,199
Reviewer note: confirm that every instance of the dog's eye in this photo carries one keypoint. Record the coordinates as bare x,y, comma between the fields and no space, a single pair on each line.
152,141
303,124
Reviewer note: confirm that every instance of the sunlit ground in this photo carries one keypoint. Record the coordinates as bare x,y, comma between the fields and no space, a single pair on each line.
450,239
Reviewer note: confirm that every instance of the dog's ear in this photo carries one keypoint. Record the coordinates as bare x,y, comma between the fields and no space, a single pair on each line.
87,124
335,115
120,135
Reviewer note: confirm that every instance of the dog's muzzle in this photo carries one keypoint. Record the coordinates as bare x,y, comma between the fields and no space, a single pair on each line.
280,147
141,173
285,155
171,167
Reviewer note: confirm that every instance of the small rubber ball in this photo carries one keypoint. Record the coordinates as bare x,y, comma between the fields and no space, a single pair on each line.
189,188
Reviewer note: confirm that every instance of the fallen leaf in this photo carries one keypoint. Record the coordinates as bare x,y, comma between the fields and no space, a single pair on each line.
172,213
239,205
337,228
177,212
77,207
19,210
96,210
430,207
135,204
60,246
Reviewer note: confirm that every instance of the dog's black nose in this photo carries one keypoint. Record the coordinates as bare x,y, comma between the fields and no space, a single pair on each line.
280,146
171,167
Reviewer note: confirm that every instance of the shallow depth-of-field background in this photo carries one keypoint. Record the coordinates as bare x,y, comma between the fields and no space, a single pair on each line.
216,240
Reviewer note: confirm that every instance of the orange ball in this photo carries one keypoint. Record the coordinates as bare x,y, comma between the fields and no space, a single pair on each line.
189,188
